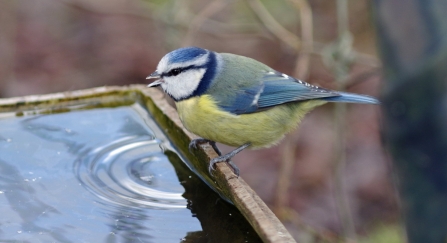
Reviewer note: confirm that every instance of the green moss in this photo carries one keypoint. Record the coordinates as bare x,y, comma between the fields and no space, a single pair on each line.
384,233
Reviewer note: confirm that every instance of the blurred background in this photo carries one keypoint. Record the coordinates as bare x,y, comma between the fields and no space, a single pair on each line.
330,180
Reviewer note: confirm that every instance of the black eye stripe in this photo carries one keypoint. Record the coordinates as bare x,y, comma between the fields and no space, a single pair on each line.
177,71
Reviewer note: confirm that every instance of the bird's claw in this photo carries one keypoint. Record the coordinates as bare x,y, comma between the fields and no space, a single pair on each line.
222,158
195,142
212,163
226,159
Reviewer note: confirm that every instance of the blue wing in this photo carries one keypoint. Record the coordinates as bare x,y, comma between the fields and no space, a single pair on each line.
280,88
244,100
276,88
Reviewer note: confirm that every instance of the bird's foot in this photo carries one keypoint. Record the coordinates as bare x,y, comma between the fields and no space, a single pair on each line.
195,142
227,158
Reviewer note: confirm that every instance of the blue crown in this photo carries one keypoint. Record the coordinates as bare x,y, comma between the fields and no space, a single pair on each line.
185,54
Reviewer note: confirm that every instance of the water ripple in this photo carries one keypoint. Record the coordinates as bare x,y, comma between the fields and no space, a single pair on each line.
131,171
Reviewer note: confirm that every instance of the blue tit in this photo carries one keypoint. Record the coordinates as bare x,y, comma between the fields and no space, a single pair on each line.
236,100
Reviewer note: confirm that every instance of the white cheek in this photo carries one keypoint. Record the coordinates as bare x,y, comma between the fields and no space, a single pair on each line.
184,84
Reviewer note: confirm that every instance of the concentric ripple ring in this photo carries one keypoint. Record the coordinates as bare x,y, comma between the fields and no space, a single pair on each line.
131,171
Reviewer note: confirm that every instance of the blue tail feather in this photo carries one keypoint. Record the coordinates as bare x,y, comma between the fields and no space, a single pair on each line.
352,98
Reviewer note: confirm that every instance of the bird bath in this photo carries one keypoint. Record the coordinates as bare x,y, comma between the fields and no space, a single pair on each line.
111,165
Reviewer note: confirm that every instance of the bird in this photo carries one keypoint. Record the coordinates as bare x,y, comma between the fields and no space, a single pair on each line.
236,100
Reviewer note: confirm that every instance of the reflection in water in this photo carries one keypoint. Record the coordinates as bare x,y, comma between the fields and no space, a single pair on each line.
25,209
100,176
221,222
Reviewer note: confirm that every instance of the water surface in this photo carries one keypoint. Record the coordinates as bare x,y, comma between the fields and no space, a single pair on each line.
104,175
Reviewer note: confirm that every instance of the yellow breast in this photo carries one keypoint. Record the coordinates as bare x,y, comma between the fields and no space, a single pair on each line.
202,116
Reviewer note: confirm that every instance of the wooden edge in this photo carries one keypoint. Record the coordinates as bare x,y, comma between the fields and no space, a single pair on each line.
262,219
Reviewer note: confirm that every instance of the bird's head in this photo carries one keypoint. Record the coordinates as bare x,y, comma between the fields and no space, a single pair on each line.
185,72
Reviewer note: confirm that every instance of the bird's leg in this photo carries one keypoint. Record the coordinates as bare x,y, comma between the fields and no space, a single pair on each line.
195,142
227,158
213,144
232,165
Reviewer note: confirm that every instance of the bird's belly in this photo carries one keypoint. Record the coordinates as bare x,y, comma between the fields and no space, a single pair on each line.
201,116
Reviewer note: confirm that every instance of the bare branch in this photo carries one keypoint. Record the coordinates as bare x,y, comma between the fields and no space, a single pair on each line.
200,18
273,26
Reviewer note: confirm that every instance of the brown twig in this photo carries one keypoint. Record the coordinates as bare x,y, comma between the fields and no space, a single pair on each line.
200,18
284,174
343,57
273,26
354,80
305,49
302,64
105,9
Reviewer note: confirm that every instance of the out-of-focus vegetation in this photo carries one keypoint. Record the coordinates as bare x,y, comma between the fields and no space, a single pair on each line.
384,233
58,45
414,110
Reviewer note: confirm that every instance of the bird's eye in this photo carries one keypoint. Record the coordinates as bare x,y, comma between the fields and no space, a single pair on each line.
175,72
